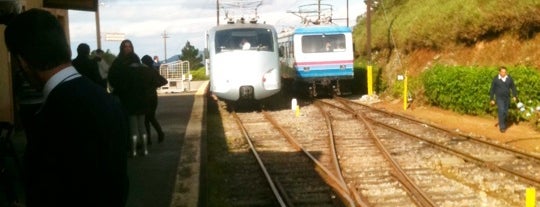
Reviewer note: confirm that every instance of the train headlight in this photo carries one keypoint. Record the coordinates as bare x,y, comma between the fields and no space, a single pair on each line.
270,79
306,68
342,67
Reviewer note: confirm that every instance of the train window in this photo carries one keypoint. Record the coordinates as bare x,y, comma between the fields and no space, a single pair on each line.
323,43
259,39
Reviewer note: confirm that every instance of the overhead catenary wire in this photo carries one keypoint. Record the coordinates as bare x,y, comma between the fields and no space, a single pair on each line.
393,39
235,9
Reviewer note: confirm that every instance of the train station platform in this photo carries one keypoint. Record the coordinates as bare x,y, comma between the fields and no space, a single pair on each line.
170,174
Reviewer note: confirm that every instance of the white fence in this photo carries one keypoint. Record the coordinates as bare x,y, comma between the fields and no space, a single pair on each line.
177,75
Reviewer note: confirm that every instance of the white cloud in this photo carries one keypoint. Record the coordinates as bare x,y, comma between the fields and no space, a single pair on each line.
143,22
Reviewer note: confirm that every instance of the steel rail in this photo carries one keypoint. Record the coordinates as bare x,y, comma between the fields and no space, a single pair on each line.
277,194
468,157
527,179
331,140
360,200
520,152
340,188
417,194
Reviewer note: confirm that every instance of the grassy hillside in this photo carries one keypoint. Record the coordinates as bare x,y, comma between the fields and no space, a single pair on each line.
410,36
437,24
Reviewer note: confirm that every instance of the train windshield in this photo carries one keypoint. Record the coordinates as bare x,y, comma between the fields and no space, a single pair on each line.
323,43
258,39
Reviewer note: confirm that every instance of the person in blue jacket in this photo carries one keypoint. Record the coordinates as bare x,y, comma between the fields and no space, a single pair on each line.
502,89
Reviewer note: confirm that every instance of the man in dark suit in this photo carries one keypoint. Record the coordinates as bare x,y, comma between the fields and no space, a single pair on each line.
76,153
86,66
502,88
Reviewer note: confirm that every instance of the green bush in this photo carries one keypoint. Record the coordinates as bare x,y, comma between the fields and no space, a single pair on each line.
528,85
466,89
199,74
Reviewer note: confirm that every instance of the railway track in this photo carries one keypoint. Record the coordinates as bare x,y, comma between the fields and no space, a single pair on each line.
288,171
490,172
368,157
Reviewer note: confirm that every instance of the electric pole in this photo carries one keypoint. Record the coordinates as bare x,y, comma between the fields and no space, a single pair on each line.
165,36
98,29
368,30
347,13
368,48
217,12
319,11
98,26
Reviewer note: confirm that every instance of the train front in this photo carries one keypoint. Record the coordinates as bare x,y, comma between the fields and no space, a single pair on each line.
324,58
244,62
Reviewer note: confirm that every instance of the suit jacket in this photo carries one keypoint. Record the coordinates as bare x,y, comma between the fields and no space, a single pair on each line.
89,68
136,85
77,148
502,89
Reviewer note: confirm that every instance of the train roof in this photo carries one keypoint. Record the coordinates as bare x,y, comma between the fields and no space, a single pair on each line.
322,29
241,25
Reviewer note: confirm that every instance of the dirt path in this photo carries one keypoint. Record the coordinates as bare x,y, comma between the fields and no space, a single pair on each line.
521,136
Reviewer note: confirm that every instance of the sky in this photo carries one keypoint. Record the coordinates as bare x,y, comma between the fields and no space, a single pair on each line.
145,21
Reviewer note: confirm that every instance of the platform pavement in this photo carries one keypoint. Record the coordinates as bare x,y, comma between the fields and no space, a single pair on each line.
170,174
187,184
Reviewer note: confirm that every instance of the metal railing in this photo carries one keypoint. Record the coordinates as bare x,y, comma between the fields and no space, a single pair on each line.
177,74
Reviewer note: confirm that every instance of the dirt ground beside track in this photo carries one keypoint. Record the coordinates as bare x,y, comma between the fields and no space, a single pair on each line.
521,136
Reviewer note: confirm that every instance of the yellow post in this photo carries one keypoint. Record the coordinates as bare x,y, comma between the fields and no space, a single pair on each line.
405,99
370,80
530,197
297,112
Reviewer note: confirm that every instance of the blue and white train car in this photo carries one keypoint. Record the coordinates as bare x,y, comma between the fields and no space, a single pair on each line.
317,57
243,61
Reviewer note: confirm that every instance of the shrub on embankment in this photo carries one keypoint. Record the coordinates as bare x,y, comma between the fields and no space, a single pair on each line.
466,90
199,74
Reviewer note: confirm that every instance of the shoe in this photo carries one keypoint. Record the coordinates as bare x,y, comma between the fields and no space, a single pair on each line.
502,130
161,137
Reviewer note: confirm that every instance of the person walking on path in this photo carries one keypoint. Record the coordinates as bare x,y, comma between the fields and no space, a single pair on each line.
502,88
86,66
75,151
152,98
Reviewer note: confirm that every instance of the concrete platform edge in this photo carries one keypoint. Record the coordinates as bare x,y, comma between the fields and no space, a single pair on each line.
187,184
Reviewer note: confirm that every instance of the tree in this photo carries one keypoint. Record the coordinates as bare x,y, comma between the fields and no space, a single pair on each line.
191,54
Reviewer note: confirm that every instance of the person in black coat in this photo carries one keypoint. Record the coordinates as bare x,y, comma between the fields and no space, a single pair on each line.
76,142
86,66
502,88
129,80
125,58
152,98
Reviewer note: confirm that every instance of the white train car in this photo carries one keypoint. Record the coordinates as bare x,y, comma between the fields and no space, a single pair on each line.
317,58
243,61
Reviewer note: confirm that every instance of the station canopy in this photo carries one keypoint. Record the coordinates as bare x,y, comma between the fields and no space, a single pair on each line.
85,5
